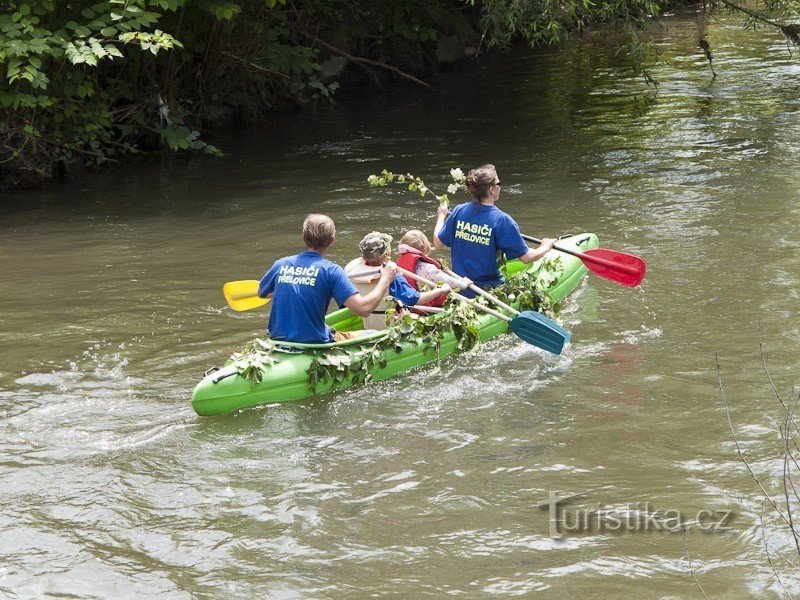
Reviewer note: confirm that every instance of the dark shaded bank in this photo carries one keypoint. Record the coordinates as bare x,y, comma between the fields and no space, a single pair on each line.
91,84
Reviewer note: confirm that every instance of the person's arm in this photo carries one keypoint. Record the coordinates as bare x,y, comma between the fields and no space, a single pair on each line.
441,217
425,297
534,254
513,245
402,291
266,286
429,271
364,305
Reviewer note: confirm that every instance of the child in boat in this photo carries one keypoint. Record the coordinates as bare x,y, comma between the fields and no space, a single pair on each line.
302,286
413,256
376,249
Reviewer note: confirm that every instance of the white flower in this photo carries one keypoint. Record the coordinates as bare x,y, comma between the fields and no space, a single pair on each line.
457,174
452,188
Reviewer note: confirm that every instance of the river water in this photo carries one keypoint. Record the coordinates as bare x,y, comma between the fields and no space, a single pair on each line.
430,483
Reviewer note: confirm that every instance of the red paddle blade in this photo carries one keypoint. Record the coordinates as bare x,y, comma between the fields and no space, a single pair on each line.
625,269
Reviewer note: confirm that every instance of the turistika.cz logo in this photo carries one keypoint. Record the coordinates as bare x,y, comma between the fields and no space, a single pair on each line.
629,518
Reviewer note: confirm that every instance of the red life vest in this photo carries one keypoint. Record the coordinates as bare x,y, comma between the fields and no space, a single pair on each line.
409,260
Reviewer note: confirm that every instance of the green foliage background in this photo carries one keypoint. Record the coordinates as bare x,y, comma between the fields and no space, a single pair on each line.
87,83
93,82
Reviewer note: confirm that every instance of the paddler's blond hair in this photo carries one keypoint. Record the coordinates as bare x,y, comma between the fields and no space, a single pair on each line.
318,231
417,240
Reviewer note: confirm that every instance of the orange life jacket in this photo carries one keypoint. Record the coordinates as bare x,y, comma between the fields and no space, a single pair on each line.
409,260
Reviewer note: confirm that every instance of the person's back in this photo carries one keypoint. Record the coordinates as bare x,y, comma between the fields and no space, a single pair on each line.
475,233
364,278
478,231
303,286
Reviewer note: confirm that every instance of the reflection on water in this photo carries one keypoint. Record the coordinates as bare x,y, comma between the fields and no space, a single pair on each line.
430,481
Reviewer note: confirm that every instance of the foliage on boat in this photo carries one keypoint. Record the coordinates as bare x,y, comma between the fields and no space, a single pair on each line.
356,363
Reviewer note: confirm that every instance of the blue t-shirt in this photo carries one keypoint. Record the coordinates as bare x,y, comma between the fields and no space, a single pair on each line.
302,287
476,233
402,291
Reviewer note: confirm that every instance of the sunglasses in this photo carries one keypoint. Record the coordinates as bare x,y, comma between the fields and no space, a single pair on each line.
497,184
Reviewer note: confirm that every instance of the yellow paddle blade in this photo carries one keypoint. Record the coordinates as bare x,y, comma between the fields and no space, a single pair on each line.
243,295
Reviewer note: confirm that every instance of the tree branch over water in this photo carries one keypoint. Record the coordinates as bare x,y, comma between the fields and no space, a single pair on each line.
691,569
790,30
361,62
787,431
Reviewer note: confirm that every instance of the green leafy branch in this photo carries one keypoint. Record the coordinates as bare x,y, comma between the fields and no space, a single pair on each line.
340,366
90,83
416,184
527,289
252,362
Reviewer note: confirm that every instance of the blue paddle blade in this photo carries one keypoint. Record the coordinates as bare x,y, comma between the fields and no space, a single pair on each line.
540,331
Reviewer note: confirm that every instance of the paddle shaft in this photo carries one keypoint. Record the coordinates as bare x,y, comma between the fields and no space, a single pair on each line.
454,294
584,257
485,294
430,309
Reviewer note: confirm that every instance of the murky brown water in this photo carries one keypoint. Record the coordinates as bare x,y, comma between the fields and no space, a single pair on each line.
428,483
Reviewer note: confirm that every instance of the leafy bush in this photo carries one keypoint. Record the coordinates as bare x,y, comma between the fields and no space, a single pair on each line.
91,82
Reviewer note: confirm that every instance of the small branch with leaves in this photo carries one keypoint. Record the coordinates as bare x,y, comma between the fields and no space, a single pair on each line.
416,184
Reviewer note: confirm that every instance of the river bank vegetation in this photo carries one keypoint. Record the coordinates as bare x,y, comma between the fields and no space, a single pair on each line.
92,83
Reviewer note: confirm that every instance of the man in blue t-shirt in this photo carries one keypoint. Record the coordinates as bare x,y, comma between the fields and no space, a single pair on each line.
302,286
478,231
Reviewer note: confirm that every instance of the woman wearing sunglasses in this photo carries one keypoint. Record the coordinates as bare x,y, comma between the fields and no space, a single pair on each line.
477,231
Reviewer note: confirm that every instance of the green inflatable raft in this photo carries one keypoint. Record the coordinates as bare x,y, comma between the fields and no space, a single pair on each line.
287,379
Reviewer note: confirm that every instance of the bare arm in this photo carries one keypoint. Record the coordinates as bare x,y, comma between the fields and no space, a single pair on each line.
364,305
429,271
536,253
426,297
441,217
